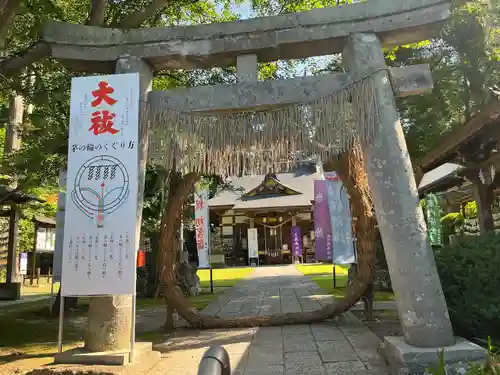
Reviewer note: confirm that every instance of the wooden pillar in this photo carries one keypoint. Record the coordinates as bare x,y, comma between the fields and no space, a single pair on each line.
12,144
12,259
110,318
420,301
483,196
33,268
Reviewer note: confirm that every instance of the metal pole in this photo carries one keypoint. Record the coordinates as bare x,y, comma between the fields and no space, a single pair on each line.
51,295
334,277
61,319
211,281
132,325
132,330
215,361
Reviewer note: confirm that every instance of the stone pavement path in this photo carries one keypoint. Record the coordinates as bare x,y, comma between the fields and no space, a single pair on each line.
342,346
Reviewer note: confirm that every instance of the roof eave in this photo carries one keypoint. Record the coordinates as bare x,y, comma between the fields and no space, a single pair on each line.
451,142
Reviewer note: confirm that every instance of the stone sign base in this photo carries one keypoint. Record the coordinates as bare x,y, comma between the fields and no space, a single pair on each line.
404,359
10,291
79,362
81,356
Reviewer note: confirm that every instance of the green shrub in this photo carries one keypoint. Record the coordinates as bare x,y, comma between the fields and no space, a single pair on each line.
451,224
471,209
490,368
470,275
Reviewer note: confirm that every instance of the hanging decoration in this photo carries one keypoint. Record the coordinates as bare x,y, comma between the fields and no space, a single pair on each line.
433,213
259,142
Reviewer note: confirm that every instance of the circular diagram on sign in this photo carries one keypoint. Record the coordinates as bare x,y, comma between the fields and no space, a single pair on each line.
101,186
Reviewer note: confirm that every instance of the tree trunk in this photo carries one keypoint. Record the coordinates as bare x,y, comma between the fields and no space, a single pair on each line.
97,13
139,16
8,9
169,321
15,64
419,174
349,167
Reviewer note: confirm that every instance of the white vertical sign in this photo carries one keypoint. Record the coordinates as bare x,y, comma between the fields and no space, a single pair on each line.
23,263
253,243
58,248
202,227
45,239
99,252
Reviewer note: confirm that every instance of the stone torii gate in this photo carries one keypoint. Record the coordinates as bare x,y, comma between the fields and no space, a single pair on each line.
359,32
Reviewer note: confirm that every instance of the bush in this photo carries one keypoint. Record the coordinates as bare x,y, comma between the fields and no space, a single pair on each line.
451,224
470,275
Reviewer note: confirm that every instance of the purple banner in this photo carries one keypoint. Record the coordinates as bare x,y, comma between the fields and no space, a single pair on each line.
296,242
322,226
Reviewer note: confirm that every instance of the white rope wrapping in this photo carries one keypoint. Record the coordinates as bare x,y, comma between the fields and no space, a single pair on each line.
249,143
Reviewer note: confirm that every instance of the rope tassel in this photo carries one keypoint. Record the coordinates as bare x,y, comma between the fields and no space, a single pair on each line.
259,142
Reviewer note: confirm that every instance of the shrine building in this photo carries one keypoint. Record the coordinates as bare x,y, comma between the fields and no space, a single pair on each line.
272,203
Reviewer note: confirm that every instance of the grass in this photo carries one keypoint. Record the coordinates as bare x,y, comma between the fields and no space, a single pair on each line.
321,269
223,277
38,290
25,333
322,275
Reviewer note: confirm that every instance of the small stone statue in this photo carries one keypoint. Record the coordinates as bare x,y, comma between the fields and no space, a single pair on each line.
189,281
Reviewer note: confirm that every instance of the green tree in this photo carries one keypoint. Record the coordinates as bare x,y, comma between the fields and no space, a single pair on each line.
466,69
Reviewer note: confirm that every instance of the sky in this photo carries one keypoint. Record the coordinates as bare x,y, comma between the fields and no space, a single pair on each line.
245,9
246,12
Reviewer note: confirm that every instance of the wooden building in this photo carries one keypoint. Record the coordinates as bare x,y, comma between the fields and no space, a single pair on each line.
474,150
272,203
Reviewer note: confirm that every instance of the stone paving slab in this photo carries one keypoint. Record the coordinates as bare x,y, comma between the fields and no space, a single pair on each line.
342,346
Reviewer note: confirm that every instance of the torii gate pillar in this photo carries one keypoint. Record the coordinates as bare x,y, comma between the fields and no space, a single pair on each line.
112,318
420,301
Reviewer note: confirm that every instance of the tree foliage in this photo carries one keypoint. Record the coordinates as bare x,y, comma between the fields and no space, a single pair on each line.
466,69
45,130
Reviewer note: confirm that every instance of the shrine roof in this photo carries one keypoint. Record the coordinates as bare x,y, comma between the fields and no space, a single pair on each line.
440,179
300,180
471,143
13,196
44,220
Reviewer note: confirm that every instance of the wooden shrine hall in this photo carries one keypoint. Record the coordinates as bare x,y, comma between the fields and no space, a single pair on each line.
272,203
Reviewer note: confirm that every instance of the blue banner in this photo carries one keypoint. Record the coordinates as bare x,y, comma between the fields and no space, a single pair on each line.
340,220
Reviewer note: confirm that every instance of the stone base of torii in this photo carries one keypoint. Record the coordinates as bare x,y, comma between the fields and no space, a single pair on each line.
380,23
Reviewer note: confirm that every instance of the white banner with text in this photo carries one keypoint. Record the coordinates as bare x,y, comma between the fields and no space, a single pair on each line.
99,252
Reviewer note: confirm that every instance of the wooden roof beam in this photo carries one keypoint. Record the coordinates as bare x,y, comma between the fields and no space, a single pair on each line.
452,142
